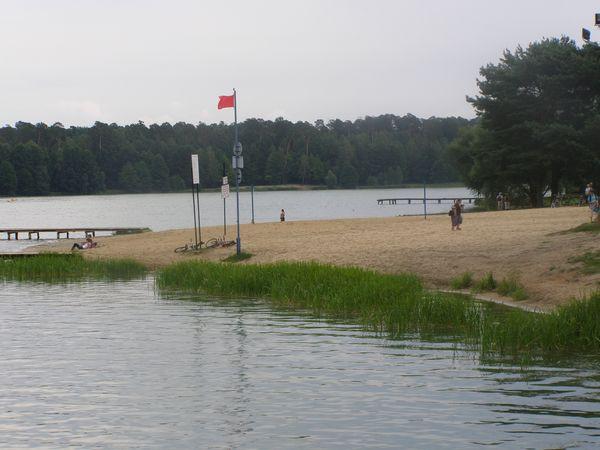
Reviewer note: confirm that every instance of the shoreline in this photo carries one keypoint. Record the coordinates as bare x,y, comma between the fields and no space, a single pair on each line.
523,243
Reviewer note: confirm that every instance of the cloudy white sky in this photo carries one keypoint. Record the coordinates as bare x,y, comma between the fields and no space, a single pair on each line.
77,62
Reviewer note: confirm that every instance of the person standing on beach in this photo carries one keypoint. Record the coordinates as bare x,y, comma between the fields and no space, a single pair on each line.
456,215
282,216
500,201
592,200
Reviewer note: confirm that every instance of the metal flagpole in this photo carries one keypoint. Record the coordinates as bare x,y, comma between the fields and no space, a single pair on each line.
237,177
224,204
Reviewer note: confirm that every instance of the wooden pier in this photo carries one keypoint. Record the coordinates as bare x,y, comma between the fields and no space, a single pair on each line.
89,231
420,200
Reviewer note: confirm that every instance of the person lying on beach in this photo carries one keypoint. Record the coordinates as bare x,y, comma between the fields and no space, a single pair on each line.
87,244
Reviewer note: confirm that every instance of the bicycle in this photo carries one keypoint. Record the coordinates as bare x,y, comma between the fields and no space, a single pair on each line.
189,248
218,242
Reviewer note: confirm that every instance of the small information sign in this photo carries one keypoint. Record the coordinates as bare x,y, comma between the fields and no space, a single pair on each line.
225,191
195,170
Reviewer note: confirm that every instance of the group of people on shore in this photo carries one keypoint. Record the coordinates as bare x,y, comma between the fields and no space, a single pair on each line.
592,200
502,201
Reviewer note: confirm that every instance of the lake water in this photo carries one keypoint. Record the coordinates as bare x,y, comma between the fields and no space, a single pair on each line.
171,211
114,365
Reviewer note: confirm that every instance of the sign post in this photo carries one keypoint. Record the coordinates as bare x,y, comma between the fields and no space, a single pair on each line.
224,195
237,161
196,200
238,165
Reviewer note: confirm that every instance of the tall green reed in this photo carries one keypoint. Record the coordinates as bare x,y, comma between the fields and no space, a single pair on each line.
396,305
58,268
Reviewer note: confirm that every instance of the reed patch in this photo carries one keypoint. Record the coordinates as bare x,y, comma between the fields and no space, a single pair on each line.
397,305
54,267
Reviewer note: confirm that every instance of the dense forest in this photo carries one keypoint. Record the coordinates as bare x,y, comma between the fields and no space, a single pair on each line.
375,151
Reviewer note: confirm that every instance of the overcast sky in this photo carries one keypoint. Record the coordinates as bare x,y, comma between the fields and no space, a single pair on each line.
77,62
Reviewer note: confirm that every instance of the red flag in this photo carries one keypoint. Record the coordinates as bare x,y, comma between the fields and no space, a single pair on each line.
226,101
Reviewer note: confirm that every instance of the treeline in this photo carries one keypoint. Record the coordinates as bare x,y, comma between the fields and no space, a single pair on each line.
377,151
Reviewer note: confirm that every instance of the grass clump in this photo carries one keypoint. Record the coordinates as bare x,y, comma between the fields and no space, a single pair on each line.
237,258
510,286
487,283
463,281
397,305
590,260
590,227
54,267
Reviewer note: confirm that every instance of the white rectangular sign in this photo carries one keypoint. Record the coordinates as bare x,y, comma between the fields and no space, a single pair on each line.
195,170
225,191
237,162
225,180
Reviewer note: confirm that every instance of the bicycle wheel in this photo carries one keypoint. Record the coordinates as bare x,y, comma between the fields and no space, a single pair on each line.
212,242
181,249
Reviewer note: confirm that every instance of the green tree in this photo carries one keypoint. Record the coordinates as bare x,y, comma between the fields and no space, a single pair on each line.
330,180
79,173
533,107
8,179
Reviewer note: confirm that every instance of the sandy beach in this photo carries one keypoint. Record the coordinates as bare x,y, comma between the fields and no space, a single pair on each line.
527,243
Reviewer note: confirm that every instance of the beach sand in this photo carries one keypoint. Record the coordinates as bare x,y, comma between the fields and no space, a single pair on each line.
526,243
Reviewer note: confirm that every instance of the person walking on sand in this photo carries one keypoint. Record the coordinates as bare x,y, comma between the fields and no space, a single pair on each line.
282,215
593,203
456,215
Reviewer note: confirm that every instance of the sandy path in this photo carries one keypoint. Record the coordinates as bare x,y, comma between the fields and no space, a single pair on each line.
522,242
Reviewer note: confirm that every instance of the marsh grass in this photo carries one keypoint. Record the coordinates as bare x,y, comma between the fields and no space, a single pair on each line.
590,260
463,281
510,286
52,267
487,283
397,305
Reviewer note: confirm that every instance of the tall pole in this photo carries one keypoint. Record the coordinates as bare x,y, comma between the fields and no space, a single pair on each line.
224,204
194,204
198,206
252,197
425,199
237,181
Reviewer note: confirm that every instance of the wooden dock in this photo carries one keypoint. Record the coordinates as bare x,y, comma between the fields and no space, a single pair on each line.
420,200
89,231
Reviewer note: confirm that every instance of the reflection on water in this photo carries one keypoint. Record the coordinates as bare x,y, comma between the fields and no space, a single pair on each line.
113,365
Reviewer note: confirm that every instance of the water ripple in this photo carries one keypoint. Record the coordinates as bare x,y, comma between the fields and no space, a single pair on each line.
112,365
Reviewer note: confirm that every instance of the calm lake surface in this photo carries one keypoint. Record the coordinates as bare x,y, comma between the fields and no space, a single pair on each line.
171,211
114,365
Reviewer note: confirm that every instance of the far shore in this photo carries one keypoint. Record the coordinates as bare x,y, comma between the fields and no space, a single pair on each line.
259,188
527,244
